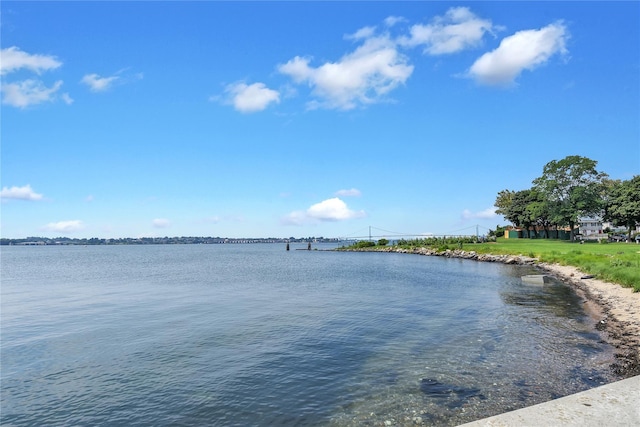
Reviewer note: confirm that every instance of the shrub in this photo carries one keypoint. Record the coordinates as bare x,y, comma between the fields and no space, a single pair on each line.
364,244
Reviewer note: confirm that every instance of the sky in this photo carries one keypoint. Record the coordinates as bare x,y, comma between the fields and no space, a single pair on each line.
296,119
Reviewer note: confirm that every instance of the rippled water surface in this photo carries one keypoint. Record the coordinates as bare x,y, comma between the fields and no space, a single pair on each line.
255,335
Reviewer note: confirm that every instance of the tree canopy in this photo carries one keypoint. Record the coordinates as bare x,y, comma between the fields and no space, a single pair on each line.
623,203
570,189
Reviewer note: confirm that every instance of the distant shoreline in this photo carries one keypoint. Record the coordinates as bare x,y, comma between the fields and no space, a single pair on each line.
616,308
188,240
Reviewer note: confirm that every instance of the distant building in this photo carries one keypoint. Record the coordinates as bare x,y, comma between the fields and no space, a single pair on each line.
590,228
614,228
561,233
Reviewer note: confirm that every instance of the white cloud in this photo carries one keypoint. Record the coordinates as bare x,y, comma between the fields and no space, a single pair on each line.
333,210
13,59
97,83
390,21
66,98
457,30
525,50
64,227
28,92
20,193
485,214
362,33
377,65
353,192
362,77
328,210
251,98
161,223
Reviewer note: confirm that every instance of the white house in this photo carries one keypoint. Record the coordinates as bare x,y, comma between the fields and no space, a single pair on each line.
590,228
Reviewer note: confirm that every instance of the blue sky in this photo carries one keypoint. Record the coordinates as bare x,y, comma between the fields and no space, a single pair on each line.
278,119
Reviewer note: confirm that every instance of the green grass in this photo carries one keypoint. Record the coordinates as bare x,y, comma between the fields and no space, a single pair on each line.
613,262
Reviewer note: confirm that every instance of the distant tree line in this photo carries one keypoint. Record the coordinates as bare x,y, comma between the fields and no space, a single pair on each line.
570,189
158,240
439,243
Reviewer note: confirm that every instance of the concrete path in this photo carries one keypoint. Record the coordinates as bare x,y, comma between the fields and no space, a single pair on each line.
616,404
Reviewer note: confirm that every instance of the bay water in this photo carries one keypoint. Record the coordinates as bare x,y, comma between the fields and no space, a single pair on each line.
254,335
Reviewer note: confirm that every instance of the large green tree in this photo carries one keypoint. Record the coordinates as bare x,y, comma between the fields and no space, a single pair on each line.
519,212
540,210
514,207
573,186
623,203
503,203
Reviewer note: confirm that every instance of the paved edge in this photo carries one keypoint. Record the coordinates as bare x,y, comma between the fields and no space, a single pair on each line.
614,404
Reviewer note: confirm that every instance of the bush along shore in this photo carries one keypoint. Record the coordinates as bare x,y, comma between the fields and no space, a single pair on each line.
614,308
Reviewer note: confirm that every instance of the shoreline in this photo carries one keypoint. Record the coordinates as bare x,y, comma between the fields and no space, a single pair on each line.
615,308
618,309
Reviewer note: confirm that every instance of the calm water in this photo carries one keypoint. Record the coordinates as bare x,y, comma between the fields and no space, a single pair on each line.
254,335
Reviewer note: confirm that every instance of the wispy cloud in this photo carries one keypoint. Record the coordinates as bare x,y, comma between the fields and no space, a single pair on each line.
161,223
64,227
328,210
485,214
97,83
391,21
457,30
362,33
14,59
353,192
525,50
23,93
250,98
20,193
28,92
66,98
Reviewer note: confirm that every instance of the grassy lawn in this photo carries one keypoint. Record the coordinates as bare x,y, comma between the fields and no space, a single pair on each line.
613,262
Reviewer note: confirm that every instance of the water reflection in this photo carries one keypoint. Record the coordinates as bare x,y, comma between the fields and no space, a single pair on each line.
553,298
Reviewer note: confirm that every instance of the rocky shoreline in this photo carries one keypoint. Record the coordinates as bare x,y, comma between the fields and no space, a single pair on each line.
616,309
